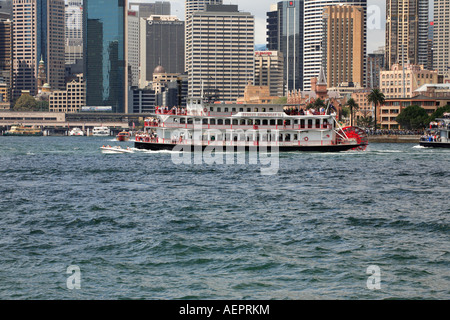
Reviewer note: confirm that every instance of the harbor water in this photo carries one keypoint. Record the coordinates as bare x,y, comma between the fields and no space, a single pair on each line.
139,226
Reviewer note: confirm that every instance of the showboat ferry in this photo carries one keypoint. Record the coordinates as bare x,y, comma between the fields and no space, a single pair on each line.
247,128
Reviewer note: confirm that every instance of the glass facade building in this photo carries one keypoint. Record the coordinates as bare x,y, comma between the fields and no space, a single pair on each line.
105,54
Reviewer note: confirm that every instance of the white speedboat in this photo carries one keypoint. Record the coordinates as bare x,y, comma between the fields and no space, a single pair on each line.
101,132
438,135
115,149
76,132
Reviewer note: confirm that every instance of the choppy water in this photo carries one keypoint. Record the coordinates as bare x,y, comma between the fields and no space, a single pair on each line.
140,227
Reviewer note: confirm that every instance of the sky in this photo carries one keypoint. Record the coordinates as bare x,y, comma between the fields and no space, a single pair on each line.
259,8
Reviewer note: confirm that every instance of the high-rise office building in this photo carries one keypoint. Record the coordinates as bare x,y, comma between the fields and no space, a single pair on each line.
406,32
105,54
269,71
38,32
343,49
272,28
162,44
441,37
285,34
375,64
220,52
6,58
313,35
133,47
74,31
192,6
148,9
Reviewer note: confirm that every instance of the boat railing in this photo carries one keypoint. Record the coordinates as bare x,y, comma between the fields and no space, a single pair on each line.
237,126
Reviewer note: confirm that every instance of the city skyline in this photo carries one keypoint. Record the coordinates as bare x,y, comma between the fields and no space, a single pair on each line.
375,34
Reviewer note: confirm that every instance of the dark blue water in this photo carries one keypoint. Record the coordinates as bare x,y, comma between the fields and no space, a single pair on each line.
140,227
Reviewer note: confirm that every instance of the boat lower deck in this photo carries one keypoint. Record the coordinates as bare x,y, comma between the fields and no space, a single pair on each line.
429,144
154,146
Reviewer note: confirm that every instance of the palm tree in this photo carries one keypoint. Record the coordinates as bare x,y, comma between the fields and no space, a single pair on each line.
351,103
377,98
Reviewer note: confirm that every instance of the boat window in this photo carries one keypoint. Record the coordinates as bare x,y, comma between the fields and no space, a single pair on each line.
225,110
295,137
190,120
250,122
256,110
212,121
263,110
241,109
227,122
233,110
317,123
271,109
288,122
310,123
242,122
272,122
211,109
182,120
235,122
249,109
205,121
219,110
258,122
279,122
302,123
265,122
220,122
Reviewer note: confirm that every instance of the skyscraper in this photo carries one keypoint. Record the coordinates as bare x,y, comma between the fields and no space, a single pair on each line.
74,31
220,56
313,35
343,50
285,34
269,71
441,37
5,57
38,32
406,32
162,44
105,67
192,6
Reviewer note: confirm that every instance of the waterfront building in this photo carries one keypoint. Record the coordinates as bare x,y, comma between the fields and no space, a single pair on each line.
269,71
256,94
38,31
220,52
406,32
343,50
142,100
399,82
393,107
161,43
441,37
6,9
174,93
313,35
105,54
161,78
71,100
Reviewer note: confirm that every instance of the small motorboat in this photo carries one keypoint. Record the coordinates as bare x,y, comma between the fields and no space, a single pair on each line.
116,149
123,136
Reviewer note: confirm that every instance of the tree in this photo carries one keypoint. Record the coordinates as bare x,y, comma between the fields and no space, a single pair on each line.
377,98
25,103
413,117
439,113
319,103
353,106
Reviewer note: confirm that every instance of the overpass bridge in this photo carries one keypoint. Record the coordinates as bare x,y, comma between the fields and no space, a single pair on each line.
60,123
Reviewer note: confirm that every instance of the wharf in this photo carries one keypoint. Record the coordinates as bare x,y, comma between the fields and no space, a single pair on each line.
394,139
